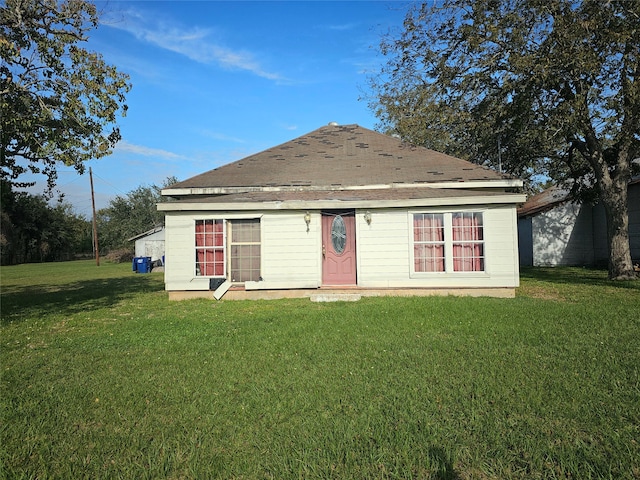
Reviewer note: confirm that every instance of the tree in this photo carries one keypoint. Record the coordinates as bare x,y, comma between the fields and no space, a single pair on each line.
128,216
31,230
58,101
550,87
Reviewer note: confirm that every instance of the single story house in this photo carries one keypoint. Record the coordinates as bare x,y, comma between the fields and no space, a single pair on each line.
150,244
553,230
342,210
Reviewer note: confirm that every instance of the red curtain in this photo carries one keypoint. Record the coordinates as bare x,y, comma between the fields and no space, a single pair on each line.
468,245
428,247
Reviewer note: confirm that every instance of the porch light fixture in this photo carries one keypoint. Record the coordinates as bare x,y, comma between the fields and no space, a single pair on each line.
307,219
367,217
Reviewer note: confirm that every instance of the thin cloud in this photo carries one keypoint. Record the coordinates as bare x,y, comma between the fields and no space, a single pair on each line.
194,43
125,146
221,136
343,27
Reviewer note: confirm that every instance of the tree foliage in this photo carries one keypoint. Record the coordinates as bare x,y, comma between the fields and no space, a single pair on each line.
130,215
58,101
549,87
31,230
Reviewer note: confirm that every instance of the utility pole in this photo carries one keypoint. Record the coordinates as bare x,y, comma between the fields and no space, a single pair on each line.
95,228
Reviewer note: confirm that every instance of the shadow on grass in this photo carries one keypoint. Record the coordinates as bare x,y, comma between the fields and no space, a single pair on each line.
444,465
575,276
39,300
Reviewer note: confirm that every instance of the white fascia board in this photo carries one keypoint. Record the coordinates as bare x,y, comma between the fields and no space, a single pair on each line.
181,192
342,204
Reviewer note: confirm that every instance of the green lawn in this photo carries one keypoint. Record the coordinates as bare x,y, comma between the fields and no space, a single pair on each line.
103,377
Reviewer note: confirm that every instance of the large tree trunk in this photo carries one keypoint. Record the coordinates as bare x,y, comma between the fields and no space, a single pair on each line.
614,199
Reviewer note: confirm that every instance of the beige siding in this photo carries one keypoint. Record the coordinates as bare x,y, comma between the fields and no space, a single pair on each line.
291,256
382,248
179,245
384,252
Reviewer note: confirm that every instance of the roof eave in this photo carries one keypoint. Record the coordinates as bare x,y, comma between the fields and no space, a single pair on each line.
507,198
182,192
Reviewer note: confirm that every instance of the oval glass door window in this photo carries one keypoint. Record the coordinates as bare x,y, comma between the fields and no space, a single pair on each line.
338,234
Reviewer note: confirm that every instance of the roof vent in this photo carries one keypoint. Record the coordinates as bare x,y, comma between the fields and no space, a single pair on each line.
333,124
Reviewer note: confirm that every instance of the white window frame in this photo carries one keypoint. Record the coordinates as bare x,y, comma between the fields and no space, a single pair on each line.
205,247
231,243
448,244
227,235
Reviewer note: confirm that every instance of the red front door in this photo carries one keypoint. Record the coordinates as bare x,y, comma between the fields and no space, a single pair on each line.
338,248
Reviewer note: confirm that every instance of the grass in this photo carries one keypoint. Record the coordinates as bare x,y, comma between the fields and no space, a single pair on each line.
103,377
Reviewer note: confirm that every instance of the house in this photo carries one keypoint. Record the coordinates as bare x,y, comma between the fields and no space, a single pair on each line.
150,244
342,210
553,230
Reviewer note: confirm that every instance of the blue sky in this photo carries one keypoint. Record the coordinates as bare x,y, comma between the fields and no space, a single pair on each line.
215,81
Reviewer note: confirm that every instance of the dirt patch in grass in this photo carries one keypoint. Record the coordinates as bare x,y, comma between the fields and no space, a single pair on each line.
541,292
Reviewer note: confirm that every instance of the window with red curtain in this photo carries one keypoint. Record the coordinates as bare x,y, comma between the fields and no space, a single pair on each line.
210,248
428,242
468,242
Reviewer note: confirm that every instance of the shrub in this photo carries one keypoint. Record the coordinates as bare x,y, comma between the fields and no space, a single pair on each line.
121,255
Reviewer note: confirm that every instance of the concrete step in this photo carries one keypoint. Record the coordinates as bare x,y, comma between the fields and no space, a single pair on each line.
335,297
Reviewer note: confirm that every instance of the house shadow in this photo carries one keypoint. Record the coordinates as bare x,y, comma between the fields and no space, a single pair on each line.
34,301
576,276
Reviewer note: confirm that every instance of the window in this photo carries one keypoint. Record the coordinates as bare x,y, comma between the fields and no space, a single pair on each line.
448,242
428,242
210,248
245,250
228,246
468,242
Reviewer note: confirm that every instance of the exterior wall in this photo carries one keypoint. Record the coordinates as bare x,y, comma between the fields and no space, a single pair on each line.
572,234
179,242
599,235
600,246
291,257
525,242
290,254
150,246
563,236
384,251
634,221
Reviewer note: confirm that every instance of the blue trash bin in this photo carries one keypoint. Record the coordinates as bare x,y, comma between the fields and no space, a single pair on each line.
143,264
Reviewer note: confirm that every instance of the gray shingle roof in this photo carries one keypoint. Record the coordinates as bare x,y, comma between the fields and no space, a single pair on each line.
341,156
341,195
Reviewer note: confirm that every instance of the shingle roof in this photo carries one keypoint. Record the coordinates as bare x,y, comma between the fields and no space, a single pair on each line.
341,156
543,201
341,195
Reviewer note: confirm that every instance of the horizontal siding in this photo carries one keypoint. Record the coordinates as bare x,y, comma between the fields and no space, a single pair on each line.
289,252
179,244
384,252
382,247
292,256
